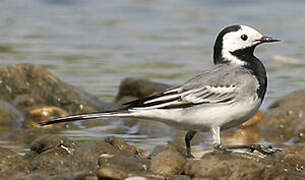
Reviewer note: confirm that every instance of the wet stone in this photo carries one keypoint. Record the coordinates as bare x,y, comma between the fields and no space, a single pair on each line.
139,88
48,142
57,160
294,157
10,118
119,166
285,119
61,178
37,115
29,85
31,176
111,173
236,165
136,178
8,114
225,166
85,176
25,101
88,152
52,155
12,164
60,161
181,177
258,117
167,162
121,145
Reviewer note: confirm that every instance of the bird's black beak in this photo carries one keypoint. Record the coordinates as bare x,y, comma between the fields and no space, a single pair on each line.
266,39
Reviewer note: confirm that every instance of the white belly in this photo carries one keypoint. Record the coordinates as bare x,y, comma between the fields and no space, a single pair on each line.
203,117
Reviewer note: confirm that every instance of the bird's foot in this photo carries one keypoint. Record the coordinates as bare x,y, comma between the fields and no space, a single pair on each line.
266,150
222,148
190,156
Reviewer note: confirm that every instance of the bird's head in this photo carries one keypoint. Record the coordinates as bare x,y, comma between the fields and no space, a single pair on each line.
237,41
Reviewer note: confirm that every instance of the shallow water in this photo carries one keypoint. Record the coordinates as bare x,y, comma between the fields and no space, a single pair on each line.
95,44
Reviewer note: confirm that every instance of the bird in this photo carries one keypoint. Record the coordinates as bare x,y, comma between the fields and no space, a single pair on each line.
219,98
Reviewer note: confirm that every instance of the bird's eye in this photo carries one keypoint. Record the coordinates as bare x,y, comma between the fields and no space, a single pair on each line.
244,37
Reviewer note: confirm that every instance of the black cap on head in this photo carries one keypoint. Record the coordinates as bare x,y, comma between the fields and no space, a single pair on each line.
218,43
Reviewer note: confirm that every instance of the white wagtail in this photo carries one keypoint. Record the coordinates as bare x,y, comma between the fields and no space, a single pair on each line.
220,98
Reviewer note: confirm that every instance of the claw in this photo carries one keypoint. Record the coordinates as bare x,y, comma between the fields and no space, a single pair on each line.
266,150
221,148
189,156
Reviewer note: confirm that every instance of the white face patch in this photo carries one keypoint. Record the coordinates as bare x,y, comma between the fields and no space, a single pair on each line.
241,39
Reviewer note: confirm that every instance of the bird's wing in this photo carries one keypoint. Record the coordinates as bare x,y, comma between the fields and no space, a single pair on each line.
157,100
218,85
179,97
210,94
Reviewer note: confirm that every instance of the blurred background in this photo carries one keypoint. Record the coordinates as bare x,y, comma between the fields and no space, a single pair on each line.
94,44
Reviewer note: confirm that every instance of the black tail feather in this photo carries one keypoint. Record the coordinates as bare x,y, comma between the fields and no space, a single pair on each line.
80,117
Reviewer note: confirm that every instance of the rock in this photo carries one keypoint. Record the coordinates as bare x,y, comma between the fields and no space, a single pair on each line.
62,160
25,101
34,91
121,145
40,176
60,178
37,115
55,156
181,177
8,114
136,178
32,176
12,164
86,176
294,157
258,117
52,155
111,173
47,142
91,150
139,88
58,155
10,118
28,85
225,166
222,166
167,162
73,176
285,119
120,166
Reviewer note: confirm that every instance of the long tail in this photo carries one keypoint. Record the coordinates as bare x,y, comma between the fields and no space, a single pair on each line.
79,117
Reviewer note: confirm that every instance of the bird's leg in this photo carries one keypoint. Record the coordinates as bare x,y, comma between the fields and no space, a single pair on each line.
266,150
215,131
188,137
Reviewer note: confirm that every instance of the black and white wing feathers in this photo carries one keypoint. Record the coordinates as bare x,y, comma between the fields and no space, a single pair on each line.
181,98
